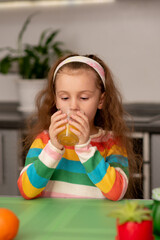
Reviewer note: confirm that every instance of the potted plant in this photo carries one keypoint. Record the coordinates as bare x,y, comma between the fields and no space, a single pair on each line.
133,221
32,62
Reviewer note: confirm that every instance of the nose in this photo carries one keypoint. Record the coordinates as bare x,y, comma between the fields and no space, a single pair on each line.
74,106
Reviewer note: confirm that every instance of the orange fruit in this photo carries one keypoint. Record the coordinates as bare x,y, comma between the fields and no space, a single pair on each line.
9,224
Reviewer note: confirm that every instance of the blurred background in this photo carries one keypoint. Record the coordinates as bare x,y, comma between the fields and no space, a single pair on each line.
125,34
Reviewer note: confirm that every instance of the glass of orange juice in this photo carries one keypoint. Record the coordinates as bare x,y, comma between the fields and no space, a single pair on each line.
67,137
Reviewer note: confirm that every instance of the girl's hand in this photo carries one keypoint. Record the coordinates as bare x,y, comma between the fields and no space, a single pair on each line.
55,127
80,121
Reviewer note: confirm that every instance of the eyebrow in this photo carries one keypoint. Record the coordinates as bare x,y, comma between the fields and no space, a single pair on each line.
81,92
84,91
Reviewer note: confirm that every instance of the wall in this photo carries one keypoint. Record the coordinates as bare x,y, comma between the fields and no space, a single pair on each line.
126,34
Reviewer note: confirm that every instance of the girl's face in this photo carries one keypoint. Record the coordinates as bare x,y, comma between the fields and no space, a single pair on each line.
77,90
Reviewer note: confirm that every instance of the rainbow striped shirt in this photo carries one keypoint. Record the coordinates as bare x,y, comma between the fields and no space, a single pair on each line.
97,169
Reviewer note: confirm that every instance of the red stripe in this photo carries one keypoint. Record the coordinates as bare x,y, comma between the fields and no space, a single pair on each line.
109,144
115,193
69,147
44,136
100,145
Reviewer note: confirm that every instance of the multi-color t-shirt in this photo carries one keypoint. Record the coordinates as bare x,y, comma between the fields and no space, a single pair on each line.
97,169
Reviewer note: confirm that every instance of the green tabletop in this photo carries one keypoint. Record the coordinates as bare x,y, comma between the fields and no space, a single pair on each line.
59,219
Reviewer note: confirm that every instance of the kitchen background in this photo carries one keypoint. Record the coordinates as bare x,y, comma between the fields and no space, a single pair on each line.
126,34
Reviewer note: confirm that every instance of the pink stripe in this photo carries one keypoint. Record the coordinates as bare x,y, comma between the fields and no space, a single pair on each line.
53,154
102,138
82,150
61,195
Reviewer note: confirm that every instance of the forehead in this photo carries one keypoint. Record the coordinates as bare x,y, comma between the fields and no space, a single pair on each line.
75,79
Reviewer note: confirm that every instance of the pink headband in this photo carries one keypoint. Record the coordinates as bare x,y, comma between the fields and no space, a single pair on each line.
92,63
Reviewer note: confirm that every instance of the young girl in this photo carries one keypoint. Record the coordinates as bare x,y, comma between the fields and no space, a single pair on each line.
97,166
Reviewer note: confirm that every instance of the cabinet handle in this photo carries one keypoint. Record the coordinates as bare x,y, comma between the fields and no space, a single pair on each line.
1,160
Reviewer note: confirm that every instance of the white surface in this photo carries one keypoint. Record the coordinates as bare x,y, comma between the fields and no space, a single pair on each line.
126,34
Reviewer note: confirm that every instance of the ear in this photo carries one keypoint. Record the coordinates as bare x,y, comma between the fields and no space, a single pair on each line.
101,101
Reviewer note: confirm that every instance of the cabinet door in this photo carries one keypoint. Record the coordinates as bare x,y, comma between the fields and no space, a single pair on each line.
9,161
155,156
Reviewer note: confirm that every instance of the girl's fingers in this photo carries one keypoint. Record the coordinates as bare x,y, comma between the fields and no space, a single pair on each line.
76,132
80,118
58,130
78,126
57,117
59,123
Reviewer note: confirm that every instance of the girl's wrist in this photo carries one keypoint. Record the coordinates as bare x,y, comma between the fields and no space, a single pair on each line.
56,148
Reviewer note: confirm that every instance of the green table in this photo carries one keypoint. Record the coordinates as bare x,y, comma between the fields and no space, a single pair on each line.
59,219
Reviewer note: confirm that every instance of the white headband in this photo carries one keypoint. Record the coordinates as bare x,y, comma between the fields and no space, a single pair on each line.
92,63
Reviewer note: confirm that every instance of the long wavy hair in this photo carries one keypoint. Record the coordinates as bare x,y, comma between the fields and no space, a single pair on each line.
110,117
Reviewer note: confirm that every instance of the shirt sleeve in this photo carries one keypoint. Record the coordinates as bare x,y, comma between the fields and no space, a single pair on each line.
109,174
41,160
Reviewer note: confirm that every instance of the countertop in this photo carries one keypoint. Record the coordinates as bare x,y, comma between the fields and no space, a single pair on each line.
144,117
64,219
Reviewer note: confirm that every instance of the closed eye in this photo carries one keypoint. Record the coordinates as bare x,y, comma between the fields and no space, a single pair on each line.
84,98
64,98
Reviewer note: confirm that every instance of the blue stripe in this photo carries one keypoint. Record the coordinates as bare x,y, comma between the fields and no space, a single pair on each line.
117,159
34,152
35,179
99,172
71,166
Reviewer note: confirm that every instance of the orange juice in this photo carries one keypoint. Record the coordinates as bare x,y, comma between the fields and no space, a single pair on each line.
67,137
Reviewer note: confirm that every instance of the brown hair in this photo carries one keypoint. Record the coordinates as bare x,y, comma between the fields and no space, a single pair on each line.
110,117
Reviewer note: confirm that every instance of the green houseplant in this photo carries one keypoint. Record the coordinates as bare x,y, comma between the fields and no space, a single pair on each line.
134,221
31,62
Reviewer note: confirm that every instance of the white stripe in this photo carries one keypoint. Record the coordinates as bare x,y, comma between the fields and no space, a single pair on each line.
74,189
47,160
86,155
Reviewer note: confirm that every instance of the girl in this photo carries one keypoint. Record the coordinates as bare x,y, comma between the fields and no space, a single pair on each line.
96,167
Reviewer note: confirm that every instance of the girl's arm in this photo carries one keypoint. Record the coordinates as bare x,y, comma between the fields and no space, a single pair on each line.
41,160
110,175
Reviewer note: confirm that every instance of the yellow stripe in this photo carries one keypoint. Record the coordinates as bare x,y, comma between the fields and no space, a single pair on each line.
108,180
28,188
117,150
71,155
38,143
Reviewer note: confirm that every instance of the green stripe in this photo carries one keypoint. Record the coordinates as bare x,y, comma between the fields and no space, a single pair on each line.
30,160
42,170
70,177
92,162
125,169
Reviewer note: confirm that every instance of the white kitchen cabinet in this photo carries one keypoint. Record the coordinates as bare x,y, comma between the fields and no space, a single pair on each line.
9,161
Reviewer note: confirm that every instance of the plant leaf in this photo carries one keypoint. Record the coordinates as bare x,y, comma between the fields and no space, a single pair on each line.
131,212
42,36
51,37
9,49
5,64
23,29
